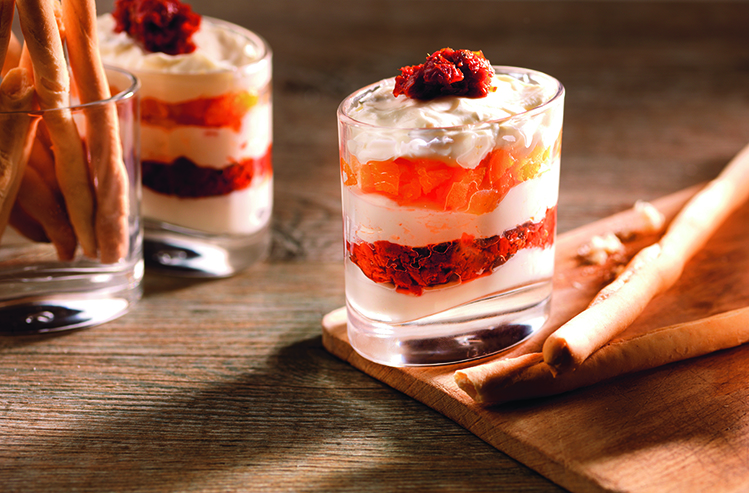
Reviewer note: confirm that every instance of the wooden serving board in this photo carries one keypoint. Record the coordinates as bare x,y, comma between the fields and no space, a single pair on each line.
682,427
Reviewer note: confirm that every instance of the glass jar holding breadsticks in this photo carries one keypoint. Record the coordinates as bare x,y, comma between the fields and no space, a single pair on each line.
71,238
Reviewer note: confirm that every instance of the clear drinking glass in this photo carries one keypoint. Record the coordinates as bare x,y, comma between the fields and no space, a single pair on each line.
445,263
46,282
206,158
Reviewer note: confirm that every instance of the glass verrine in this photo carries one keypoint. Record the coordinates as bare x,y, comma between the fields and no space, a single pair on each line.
206,149
449,230
47,283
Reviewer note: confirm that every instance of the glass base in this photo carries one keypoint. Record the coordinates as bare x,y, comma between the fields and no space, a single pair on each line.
178,251
474,330
57,297
58,314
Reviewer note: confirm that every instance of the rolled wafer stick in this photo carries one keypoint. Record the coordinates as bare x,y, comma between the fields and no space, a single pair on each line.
13,55
25,60
509,379
108,167
27,225
7,7
39,202
52,83
17,130
652,271
52,215
43,161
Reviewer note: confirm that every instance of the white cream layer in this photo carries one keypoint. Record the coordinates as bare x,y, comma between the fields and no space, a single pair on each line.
210,147
240,212
382,303
391,127
373,217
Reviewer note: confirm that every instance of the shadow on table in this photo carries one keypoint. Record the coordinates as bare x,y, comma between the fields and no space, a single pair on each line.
158,283
41,320
305,421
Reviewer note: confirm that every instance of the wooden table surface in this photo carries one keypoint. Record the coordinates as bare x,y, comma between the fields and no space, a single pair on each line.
224,385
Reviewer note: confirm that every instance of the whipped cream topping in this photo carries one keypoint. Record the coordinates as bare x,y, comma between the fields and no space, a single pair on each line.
455,129
217,48
510,97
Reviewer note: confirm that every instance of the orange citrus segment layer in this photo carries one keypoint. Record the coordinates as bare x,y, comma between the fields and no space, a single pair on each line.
434,184
226,110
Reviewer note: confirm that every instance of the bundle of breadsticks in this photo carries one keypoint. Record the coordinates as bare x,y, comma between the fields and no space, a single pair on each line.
60,181
583,350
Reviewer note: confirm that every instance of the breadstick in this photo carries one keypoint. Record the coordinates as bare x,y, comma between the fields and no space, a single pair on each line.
6,22
108,167
652,271
52,83
43,161
39,202
27,225
52,217
25,60
492,383
17,130
12,56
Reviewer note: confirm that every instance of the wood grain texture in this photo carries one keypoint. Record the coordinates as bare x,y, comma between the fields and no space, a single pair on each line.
675,428
225,386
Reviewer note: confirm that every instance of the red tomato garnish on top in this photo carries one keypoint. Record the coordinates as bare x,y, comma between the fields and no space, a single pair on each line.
447,72
163,26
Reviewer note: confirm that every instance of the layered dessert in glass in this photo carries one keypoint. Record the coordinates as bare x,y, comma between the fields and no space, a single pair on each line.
450,177
206,118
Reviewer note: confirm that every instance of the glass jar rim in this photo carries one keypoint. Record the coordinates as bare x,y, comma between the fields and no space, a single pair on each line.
123,95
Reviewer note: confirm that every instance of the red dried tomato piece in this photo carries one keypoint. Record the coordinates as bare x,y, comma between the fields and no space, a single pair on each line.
183,178
411,269
163,26
446,72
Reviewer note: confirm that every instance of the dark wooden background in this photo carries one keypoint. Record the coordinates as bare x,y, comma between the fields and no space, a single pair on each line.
224,385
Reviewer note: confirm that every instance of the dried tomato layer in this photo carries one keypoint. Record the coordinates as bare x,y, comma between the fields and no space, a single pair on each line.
411,269
226,110
446,72
164,26
436,185
186,179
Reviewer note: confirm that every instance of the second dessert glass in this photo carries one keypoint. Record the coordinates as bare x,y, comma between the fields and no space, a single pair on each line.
206,154
446,262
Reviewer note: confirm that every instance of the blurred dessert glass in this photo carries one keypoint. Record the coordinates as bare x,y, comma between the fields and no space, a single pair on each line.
206,150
